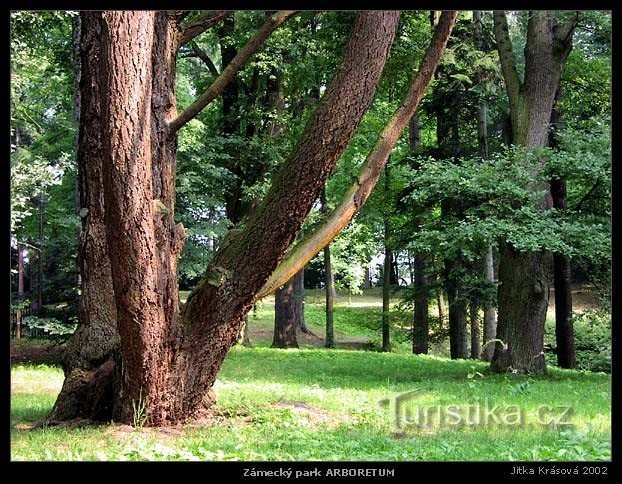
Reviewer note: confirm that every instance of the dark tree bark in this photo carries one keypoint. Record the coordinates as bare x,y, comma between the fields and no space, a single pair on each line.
169,358
20,291
285,323
458,346
562,280
525,276
476,342
329,287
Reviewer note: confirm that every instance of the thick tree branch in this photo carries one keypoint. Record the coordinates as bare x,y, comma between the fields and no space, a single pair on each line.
562,33
371,169
506,56
201,54
203,23
229,72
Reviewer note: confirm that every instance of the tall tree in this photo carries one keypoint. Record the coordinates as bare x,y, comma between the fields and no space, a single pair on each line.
525,276
168,357
564,328
387,266
420,280
490,314
329,287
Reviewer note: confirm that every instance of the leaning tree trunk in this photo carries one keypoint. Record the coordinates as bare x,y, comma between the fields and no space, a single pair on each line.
169,359
525,276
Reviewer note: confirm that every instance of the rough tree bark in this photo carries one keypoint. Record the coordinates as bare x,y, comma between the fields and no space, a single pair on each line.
169,359
88,358
525,276
285,324
476,343
388,262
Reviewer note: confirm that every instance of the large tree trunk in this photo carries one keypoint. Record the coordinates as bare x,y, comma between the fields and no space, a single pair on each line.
169,360
87,363
285,323
525,276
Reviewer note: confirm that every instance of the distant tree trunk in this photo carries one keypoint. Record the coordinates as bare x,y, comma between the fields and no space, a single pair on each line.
38,306
525,276
285,323
329,288
244,338
476,345
421,324
388,263
20,291
562,281
490,315
299,301
458,346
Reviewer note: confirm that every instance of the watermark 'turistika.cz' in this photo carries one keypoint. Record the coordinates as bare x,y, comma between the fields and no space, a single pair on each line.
409,413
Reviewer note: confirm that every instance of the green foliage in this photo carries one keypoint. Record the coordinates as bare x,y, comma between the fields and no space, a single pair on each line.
592,336
52,327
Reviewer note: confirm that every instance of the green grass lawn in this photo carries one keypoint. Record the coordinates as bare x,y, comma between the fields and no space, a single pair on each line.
316,404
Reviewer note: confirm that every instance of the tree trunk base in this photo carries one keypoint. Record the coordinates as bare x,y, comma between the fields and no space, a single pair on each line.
503,362
86,394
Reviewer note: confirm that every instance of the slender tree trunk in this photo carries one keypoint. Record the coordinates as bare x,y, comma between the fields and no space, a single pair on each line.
476,344
20,291
490,314
388,263
564,330
525,276
458,346
40,257
421,325
299,300
329,288
285,323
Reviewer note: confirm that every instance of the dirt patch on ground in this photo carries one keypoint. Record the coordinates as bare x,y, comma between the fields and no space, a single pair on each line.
38,354
312,416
